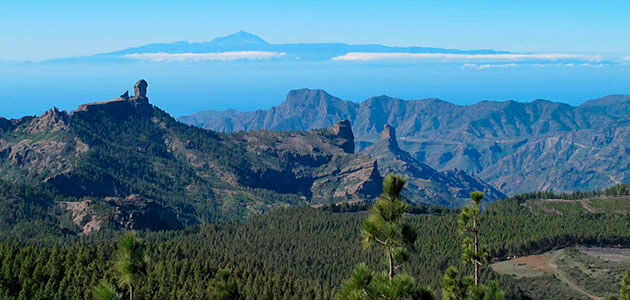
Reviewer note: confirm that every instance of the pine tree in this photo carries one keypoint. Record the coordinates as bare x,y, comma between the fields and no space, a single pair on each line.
105,291
385,229
468,222
455,287
223,286
131,263
624,294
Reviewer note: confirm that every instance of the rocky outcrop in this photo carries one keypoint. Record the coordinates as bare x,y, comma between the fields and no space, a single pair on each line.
140,90
51,121
344,137
43,146
425,184
83,216
137,213
389,135
130,213
123,105
319,164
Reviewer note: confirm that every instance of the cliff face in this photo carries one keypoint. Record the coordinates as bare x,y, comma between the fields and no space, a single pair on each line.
320,165
125,146
131,213
517,147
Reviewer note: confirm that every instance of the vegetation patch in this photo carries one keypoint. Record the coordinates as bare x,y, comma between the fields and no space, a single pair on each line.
523,267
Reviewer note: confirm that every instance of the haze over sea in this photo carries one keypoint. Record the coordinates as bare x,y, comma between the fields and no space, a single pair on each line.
186,87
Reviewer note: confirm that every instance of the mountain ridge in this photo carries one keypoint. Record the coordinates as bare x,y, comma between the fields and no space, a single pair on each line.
244,41
486,138
127,147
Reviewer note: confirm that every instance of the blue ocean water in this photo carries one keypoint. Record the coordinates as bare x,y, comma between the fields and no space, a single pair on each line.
187,87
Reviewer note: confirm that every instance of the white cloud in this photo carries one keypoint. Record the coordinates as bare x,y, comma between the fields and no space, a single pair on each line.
626,59
216,56
371,56
489,66
538,65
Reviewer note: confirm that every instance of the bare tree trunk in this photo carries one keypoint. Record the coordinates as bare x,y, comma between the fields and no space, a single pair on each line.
476,262
130,292
391,266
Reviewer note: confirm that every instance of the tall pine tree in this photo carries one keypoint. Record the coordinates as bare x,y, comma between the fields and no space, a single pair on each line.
384,228
131,263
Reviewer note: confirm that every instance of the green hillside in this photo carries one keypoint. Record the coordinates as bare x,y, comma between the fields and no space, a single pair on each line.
298,253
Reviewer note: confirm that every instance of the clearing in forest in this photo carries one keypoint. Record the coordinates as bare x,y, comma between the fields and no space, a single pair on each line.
590,271
525,266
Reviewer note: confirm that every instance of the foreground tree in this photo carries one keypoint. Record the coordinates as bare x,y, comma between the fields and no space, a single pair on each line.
625,287
624,294
468,223
384,228
223,286
131,263
105,291
456,287
365,284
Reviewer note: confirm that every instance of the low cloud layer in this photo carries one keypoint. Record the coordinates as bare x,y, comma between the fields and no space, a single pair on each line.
215,56
515,65
375,56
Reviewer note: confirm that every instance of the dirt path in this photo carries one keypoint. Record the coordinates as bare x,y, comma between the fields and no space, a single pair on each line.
551,265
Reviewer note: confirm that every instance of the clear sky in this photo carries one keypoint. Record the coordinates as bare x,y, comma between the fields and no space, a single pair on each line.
36,30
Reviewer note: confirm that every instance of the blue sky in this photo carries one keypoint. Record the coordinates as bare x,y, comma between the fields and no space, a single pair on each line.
40,30
36,30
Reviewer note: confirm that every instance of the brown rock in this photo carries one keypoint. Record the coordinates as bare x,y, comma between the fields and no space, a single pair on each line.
345,137
140,88
389,135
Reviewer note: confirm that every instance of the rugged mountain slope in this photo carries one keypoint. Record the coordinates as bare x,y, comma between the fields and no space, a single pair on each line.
127,147
425,184
517,147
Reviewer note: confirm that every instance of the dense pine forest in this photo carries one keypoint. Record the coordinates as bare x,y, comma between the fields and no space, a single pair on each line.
289,253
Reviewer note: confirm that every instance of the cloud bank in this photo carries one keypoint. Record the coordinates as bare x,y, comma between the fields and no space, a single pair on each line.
214,56
376,56
516,65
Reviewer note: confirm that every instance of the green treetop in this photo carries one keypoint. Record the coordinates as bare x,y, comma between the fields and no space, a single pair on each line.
384,228
131,263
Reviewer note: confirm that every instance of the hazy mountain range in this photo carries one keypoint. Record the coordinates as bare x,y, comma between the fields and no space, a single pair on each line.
516,147
243,45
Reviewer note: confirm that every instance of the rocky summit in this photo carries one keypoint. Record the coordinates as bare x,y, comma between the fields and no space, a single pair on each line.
127,157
